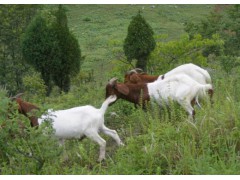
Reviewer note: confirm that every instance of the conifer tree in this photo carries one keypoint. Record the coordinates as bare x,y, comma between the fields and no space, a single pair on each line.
37,45
139,41
69,56
52,49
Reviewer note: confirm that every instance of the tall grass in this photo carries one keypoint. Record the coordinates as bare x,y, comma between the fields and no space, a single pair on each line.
157,141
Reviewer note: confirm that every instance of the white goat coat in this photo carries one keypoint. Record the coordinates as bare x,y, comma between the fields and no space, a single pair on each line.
195,72
180,88
83,121
72,123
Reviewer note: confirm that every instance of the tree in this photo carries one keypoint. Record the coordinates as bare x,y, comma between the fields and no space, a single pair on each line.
13,21
52,49
232,30
69,56
168,55
38,47
224,20
139,41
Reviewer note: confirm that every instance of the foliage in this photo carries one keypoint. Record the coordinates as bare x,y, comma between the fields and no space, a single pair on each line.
52,50
168,55
40,55
225,22
232,32
68,55
139,41
34,85
24,150
13,21
157,141
105,33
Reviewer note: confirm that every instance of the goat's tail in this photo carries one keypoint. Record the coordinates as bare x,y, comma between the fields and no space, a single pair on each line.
105,104
204,89
206,75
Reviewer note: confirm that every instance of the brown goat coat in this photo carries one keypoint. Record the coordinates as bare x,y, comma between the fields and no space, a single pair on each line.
27,109
139,78
135,93
135,78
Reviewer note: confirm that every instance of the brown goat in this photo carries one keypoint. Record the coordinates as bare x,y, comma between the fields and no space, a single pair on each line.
138,76
27,109
134,77
135,93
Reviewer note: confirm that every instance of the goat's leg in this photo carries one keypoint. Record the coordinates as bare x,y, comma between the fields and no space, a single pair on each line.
102,143
112,133
210,92
188,107
62,144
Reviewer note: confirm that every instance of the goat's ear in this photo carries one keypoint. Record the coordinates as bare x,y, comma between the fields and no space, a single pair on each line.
122,88
19,106
134,78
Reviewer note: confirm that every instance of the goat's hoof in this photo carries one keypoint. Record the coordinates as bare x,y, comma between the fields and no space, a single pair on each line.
100,160
121,144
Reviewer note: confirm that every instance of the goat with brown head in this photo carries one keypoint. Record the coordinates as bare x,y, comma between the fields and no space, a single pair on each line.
135,93
27,109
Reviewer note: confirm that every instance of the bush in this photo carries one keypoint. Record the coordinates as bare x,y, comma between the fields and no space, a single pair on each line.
23,149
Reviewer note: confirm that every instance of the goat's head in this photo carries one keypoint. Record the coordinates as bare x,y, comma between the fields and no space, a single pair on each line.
26,109
114,88
130,92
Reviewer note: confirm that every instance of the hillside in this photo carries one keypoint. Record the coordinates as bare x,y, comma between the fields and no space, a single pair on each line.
159,140
101,29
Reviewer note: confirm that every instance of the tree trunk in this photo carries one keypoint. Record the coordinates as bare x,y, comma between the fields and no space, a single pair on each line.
142,63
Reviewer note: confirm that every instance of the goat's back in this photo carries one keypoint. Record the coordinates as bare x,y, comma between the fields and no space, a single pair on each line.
72,123
174,87
195,72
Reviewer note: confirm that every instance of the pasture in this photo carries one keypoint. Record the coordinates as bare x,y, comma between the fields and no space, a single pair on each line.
160,142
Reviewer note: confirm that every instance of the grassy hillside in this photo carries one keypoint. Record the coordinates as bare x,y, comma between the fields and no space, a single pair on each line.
157,141
101,29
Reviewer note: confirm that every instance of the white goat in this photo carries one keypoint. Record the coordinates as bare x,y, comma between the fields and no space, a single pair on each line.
198,74
195,72
83,121
180,88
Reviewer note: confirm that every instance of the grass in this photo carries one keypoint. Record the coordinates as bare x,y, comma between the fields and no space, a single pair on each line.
156,141
101,29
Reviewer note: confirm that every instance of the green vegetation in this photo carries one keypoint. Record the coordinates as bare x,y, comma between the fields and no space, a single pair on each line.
101,30
184,50
225,22
52,49
139,42
13,21
157,141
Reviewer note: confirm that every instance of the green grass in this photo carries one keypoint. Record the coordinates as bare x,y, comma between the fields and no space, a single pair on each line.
156,141
101,29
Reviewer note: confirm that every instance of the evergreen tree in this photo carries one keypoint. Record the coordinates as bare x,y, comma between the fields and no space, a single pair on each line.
13,22
52,49
37,48
69,56
139,41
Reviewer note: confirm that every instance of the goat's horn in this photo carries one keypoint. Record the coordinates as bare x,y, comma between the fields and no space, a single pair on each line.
138,70
132,71
17,96
112,81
